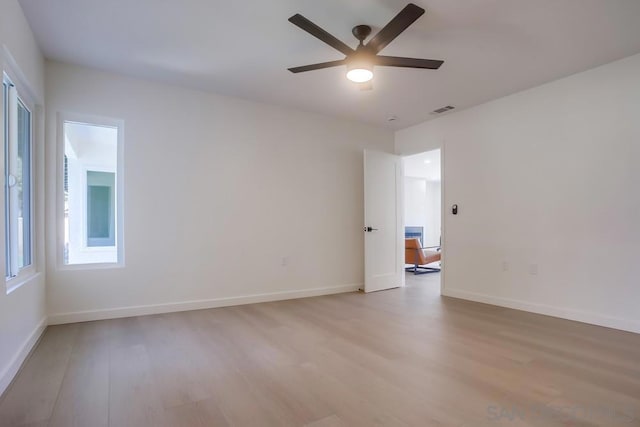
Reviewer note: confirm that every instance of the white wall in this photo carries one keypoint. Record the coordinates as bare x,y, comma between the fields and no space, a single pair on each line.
22,312
546,180
217,192
415,202
434,213
422,207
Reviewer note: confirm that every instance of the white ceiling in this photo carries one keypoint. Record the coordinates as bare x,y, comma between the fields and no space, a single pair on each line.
95,145
491,48
424,165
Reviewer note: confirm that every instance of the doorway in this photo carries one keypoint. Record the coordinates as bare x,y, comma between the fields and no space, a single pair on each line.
422,225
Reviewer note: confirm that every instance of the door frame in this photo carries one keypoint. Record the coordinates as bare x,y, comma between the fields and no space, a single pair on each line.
443,210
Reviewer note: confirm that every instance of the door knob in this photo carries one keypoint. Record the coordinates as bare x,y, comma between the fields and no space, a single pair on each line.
370,229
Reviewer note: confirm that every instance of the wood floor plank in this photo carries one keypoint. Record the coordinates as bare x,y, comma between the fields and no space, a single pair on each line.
203,413
84,394
179,376
33,394
133,399
403,357
330,421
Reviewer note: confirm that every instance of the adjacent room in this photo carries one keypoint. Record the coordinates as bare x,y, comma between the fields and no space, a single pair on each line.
423,213
319,214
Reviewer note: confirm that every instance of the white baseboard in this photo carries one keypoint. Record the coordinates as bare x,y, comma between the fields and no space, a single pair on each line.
23,352
548,310
85,316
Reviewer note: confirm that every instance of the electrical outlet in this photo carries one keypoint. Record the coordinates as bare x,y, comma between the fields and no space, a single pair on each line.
505,266
533,269
285,261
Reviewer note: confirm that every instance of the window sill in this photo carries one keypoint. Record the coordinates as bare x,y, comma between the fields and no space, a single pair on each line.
17,282
91,266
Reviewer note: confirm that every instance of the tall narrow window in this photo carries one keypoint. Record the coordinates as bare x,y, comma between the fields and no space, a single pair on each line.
17,191
90,188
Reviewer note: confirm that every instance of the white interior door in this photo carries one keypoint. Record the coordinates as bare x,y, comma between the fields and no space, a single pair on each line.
383,243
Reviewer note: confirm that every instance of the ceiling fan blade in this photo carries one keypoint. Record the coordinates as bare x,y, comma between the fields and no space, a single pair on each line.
320,34
397,61
397,25
317,66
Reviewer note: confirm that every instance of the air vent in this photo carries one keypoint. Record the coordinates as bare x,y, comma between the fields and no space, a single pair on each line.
443,109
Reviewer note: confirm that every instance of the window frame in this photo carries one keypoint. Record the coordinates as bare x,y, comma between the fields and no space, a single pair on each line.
65,117
24,97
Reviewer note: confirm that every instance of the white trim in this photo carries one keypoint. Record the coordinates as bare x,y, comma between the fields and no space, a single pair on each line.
21,355
400,252
403,225
26,274
18,78
421,177
141,310
443,219
548,310
91,266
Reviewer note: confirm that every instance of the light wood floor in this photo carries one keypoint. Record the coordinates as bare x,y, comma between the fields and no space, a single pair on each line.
392,358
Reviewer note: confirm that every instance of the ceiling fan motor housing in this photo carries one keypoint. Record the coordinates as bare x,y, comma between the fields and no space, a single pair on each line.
361,58
361,32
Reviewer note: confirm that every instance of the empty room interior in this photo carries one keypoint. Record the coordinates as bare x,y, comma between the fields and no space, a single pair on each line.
320,214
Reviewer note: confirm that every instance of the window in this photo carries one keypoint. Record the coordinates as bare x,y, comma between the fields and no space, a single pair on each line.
17,178
91,192
100,208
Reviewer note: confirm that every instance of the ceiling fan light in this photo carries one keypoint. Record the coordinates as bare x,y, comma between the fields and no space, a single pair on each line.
360,74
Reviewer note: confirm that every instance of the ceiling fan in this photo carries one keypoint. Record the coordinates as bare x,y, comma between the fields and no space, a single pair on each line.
361,60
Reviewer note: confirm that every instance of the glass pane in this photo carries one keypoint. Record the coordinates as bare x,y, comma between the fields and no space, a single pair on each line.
89,185
99,211
100,203
7,246
17,191
23,179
